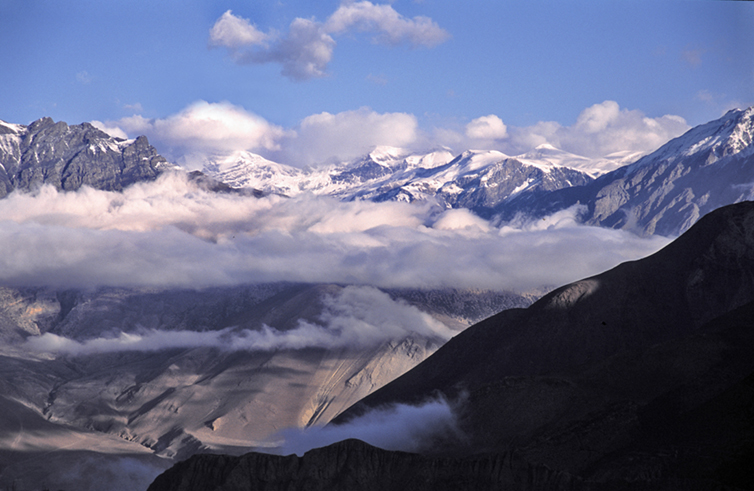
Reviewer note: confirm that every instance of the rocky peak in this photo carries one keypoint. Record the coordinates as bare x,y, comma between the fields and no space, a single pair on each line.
68,157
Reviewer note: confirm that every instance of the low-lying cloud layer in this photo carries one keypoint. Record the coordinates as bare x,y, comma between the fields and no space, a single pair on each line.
356,317
170,234
399,427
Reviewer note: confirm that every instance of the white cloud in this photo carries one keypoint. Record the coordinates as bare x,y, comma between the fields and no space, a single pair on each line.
461,220
487,128
202,129
171,234
211,129
307,48
390,26
233,32
356,317
110,130
397,427
600,130
304,52
348,134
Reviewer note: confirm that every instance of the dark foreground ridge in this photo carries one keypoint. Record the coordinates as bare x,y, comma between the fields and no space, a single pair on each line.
355,465
639,378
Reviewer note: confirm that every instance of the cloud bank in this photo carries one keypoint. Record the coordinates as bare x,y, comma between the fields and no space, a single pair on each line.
201,130
168,233
340,137
356,317
600,130
399,427
307,48
206,129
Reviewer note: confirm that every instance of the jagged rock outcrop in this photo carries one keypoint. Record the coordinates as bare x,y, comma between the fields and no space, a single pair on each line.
68,157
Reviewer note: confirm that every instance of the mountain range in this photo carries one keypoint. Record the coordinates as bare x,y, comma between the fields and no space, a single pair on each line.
663,192
598,381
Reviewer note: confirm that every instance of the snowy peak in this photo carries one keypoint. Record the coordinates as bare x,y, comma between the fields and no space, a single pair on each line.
431,160
724,138
741,136
248,170
11,129
386,154
546,155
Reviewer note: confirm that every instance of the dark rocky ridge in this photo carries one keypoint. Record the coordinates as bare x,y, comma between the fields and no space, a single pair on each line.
639,378
354,465
706,273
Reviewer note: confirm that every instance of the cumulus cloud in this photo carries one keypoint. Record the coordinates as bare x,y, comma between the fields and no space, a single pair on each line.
356,317
346,135
111,130
600,130
462,220
170,234
202,129
396,427
487,128
390,26
307,48
233,32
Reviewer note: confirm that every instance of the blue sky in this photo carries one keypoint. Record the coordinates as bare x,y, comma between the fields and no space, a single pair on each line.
425,69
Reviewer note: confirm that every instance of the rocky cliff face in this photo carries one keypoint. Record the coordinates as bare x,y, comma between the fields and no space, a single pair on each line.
68,157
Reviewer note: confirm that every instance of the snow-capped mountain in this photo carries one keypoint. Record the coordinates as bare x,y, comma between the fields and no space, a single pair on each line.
666,192
68,157
594,167
476,179
247,170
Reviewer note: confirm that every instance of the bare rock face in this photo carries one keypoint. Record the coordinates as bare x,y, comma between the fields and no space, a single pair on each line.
68,157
